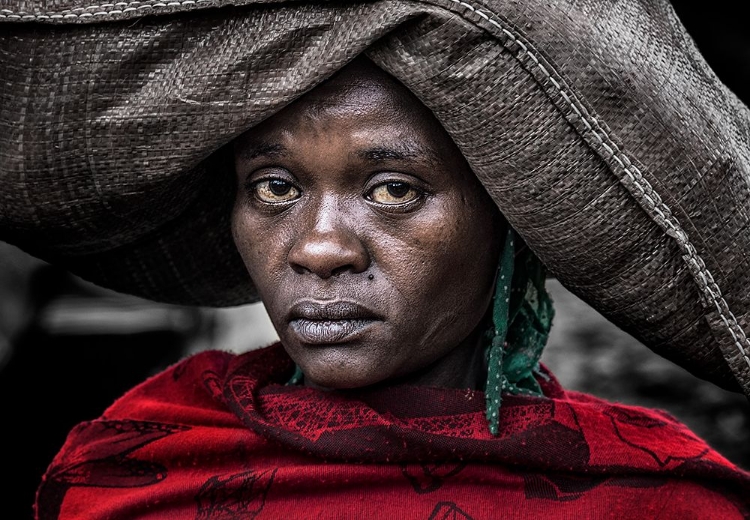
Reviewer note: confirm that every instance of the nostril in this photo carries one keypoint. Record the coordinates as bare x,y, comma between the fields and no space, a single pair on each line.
339,270
297,268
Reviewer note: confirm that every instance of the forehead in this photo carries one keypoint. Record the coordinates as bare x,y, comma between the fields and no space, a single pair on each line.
362,101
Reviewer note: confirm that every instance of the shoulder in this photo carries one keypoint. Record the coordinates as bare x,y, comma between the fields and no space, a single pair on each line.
185,385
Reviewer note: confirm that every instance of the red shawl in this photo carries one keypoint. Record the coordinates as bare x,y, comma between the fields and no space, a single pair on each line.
220,436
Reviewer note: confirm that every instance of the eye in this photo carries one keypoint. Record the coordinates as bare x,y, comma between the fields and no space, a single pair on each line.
275,191
394,192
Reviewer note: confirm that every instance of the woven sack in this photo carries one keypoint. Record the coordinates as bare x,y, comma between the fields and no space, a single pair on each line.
596,126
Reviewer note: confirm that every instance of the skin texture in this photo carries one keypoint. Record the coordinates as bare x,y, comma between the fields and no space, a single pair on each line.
372,244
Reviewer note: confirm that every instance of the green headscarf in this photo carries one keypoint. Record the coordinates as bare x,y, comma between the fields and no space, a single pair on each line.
521,319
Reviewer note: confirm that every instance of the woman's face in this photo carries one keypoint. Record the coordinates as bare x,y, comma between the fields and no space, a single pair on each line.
372,244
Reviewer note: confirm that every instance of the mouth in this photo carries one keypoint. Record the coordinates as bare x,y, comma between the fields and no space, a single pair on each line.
322,323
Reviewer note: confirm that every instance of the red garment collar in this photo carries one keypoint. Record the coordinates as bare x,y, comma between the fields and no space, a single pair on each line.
564,431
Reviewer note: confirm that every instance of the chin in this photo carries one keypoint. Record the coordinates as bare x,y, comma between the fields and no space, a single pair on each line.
347,379
341,366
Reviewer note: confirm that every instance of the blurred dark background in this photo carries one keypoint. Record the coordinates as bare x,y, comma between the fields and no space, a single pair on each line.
68,348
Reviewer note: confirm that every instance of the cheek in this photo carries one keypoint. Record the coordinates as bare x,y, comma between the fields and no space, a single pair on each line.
464,278
442,266
260,244
245,238
458,250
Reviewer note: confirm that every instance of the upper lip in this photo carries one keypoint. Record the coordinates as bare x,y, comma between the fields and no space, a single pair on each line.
330,310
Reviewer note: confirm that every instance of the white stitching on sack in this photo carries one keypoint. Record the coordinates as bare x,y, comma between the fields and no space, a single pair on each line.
701,274
104,9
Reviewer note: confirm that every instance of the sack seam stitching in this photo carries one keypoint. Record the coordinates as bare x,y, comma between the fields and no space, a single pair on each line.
104,9
701,275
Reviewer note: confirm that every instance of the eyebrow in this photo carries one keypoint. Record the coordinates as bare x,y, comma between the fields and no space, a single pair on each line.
267,149
411,152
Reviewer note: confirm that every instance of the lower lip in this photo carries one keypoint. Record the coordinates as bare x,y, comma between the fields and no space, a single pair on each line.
321,332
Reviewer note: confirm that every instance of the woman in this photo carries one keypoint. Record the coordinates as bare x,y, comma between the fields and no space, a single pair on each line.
413,318
376,252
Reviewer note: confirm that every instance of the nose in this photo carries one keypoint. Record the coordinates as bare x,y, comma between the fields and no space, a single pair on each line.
328,243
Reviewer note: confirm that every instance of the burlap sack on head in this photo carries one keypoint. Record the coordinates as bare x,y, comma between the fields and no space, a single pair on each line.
596,126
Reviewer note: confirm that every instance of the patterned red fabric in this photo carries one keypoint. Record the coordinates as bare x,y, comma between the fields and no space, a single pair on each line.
220,436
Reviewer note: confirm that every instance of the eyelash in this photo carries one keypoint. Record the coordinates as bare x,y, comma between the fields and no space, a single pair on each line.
256,186
419,194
